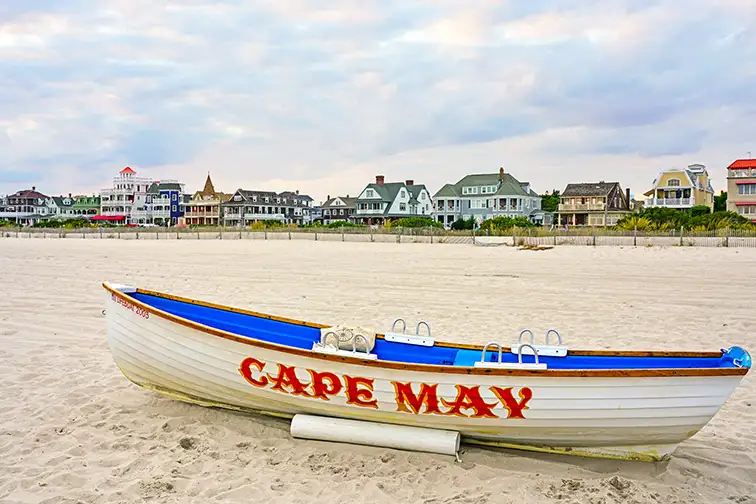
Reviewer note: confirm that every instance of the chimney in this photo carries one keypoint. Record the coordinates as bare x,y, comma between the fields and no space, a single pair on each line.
297,192
409,182
34,188
627,192
328,197
347,195
501,173
379,179
69,195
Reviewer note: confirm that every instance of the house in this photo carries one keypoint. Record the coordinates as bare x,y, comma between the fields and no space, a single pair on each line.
203,208
245,207
340,208
140,200
86,206
741,188
485,196
593,204
681,188
61,207
381,202
26,207
164,203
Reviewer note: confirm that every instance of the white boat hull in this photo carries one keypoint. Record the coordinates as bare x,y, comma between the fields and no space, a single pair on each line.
642,418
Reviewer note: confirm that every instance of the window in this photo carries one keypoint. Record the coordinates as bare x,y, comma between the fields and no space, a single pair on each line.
746,189
369,193
673,182
422,196
402,194
174,208
402,207
175,196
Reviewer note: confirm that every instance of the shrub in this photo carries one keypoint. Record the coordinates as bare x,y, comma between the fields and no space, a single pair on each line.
417,222
505,223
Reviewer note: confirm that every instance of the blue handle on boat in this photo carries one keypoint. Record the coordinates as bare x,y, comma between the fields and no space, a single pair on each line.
738,356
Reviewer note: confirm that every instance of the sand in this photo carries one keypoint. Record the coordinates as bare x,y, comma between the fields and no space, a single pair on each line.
73,429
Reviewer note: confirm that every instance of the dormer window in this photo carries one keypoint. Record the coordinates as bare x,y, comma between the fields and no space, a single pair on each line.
369,193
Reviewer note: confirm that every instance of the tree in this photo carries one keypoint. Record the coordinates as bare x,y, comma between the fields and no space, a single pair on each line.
550,202
720,202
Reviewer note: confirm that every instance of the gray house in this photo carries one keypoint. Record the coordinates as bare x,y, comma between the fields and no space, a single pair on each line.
485,196
246,207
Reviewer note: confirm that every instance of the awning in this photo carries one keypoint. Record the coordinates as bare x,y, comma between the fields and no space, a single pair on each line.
108,217
745,203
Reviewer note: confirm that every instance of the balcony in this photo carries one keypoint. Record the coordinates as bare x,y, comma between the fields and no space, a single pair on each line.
369,211
582,207
670,202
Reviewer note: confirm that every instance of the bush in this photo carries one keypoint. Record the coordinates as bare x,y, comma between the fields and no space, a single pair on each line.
416,222
505,223
463,224
698,217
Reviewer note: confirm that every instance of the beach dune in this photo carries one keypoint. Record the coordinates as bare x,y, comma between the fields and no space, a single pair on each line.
74,429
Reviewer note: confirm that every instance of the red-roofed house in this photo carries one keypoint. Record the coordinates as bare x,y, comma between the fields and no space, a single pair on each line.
140,200
741,188
26,207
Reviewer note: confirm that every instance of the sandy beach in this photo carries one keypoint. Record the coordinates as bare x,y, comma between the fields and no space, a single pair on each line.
74,429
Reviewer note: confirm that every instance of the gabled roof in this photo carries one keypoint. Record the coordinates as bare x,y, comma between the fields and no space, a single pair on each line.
60,201
415,191
506,184
209,189
590,189
127,170
156,187
348,202
740,164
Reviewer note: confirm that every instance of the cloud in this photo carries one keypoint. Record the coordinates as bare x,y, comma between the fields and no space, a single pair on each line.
292,95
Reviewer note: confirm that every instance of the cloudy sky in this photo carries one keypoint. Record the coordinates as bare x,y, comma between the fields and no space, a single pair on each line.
321,96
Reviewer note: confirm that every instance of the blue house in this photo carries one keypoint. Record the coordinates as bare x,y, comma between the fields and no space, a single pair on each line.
165,202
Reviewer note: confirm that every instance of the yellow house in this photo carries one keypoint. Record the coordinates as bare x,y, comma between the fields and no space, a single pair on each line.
682,188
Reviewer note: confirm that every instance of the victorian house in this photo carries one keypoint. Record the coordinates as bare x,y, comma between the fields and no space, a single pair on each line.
485,196
681,188
246,207
385,201
203,209
593,204
340,208
26,207
140,200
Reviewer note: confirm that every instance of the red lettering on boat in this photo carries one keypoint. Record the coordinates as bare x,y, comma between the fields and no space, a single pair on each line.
360,397
469,398
324,384
514,407
409,402
246,371
287,378
130,306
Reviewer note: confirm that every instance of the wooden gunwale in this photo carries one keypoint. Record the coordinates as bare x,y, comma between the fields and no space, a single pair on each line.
429,368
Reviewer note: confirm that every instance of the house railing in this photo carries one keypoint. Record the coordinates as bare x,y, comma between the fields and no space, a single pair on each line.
582,207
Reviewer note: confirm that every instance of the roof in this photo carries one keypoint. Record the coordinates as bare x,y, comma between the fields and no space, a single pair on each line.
506,186
60,201
740,164
127,170
156,187
590,189
209,189
415,191
348,202
29,194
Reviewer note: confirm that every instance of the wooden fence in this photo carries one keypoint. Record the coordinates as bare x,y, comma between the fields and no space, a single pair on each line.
515,237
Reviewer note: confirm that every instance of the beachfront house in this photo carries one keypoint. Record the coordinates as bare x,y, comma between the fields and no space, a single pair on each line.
246,207
164,202
26,207
386,201
485,196
681,188
203,208
593,204
741,188
340,208
86,206
61,207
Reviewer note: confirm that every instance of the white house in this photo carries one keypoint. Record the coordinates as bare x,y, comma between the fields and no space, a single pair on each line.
383,201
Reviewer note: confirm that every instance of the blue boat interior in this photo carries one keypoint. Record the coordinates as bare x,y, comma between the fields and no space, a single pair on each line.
303,337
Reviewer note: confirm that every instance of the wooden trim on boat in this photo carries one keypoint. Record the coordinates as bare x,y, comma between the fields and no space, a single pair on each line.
429,368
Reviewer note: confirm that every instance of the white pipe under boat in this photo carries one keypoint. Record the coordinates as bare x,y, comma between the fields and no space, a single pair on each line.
400,437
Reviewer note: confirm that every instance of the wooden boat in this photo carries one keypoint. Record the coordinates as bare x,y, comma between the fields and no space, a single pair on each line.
545,397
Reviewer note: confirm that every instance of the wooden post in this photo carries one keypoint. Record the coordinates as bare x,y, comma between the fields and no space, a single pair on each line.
682,232
635,235
594,237
514,236
316,236
342,233
265,231
727,237
137,235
